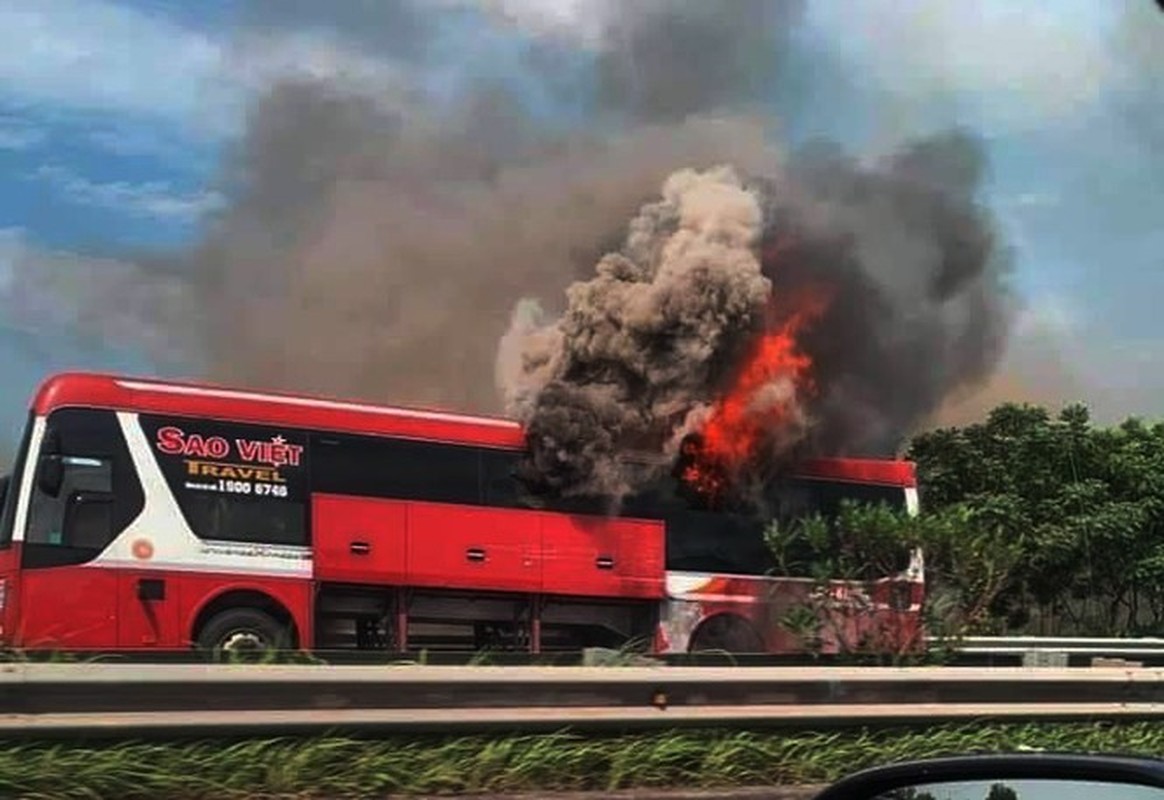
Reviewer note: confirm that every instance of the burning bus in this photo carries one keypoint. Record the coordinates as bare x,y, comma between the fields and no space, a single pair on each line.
152,515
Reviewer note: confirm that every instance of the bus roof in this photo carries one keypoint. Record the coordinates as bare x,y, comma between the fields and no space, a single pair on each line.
272,408
883,471
148,395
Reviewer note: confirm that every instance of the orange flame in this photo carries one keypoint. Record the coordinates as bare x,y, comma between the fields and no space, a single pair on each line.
760,405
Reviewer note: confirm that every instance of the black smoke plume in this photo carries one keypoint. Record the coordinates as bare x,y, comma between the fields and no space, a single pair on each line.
914,308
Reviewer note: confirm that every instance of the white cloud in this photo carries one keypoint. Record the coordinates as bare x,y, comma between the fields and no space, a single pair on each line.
150,199
94,55
11,245
98,57
262,59
1030,200
18,134
1008,61
162,143
579,20
135,83
1048,315
1036,200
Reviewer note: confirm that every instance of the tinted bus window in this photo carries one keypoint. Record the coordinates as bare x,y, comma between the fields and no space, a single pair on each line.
800,497
254,520
90,492
708,541
395,468
699,540
79,514
501,486
234,482
733,541
499,483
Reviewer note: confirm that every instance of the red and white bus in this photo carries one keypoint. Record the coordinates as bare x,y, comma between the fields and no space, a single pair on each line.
144,514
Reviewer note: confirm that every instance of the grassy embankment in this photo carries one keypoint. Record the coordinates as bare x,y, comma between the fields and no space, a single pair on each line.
336,767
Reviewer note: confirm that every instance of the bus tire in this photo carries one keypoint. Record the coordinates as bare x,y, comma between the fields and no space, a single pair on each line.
726,633
243,630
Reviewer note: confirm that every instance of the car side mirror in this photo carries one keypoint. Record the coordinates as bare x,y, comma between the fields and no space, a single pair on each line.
1021,776
50,474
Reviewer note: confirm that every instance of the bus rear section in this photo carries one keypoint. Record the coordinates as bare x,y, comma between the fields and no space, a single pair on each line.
724,592
149,515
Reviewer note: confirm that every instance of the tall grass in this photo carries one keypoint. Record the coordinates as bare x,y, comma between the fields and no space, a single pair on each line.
337,767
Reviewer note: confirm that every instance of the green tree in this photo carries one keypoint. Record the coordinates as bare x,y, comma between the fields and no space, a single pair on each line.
970,559
1031,523
906,793
1083,505
1000,791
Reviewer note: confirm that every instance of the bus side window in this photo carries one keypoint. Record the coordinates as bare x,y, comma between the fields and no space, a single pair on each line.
80,513
401,469
499,482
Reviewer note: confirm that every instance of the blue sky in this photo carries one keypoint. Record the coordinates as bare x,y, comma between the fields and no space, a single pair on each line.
115,115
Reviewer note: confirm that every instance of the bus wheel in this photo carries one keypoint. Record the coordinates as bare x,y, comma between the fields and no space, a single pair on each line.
726,633
243,631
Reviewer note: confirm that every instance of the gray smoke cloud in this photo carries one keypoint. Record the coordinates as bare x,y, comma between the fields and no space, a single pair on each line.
94,300
374,242
386,266
374,246
666,59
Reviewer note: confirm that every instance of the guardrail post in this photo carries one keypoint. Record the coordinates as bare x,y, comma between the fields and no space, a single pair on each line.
535,624
1044,658
402,602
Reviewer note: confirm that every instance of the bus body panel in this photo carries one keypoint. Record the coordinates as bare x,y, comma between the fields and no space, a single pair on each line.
883,615
360,539
69,607
468,547
9,591
101,608
373,541
295,596
600,557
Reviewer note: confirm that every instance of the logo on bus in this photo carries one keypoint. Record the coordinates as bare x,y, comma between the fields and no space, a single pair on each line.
231,465
143,549
174,441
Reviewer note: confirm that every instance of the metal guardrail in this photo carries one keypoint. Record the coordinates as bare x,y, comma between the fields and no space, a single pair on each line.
979,651
43,699
969,651
1011,644
1053,651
